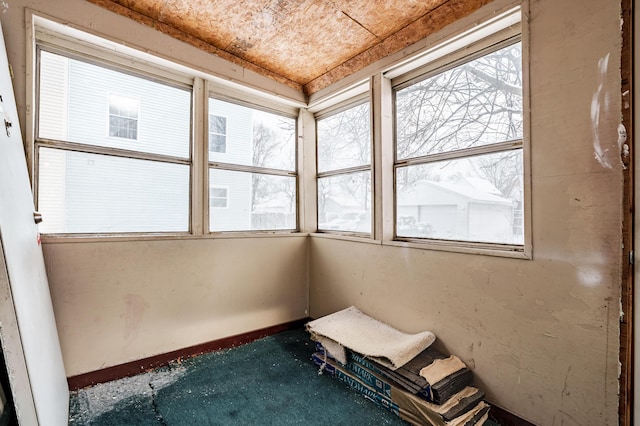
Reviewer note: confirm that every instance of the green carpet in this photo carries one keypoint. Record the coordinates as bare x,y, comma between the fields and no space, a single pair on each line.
268,382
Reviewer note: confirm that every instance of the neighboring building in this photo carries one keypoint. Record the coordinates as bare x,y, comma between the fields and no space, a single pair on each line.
455,210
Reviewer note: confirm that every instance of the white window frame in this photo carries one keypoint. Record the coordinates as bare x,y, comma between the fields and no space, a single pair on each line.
109,115
56,35
41,142
230,166
501,30
364,98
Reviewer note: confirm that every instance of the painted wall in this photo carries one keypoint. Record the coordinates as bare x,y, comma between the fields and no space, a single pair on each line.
117,302
541,335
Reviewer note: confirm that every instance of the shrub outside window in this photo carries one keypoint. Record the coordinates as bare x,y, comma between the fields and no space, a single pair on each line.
459,151
344,170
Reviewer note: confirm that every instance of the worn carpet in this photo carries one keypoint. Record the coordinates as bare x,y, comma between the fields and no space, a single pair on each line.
271,381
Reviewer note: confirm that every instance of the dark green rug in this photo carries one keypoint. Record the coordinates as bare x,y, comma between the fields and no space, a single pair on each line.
271,381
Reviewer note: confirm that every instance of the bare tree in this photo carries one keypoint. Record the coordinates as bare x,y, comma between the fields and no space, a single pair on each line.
477,103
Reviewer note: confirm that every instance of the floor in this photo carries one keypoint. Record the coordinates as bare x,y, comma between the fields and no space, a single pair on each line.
270,381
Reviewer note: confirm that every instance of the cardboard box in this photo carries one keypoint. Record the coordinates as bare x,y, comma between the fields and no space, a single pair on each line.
410,408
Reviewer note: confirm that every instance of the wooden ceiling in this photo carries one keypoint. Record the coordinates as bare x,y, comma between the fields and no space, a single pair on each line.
305,44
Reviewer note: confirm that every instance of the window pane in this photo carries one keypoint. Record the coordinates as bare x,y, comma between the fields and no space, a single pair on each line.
477,103
90,193
344,202
344,139
255,201
471,199
254,137
78,100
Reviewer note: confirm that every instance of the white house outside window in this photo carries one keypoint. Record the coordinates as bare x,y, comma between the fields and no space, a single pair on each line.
91,181
459,151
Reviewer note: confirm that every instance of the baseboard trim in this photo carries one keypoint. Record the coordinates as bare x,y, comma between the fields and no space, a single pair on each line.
136,367
505,418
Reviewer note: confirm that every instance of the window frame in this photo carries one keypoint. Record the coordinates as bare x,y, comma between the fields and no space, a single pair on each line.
229,166
494,42
53,35
361,99
109,115
148,73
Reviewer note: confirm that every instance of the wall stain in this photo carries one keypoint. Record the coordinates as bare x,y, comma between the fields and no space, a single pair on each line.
135,306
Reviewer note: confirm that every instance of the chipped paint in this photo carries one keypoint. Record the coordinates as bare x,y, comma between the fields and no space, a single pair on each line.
600,101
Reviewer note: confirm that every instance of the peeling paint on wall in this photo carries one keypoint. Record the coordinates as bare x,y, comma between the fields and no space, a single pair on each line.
600,101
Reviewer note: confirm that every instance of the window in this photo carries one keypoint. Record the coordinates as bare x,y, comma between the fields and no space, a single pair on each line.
123,117
217,133
344,170
218,197
459,151
258,166
90,179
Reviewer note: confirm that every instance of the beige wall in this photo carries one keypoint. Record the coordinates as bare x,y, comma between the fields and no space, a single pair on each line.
121,301
541,335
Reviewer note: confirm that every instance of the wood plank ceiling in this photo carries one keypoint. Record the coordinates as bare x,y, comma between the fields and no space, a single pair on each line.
306,44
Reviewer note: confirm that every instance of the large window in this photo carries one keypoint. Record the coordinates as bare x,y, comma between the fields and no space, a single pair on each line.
459,151
257,166
112,148
344,170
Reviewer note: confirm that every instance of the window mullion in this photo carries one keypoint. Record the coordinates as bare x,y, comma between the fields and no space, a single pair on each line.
345,171
199,193
462,153
114,152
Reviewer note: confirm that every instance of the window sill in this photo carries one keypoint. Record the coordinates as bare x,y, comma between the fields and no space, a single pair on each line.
92,238
515,252
345,237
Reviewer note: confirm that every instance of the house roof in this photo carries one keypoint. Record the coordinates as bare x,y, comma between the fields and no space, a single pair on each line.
474,190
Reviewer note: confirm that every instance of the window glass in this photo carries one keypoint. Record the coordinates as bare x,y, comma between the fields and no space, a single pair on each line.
477,198
255,170
130,169
344,202
253,137
476,103
344,170
94,105
344,139
256,201
89,193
